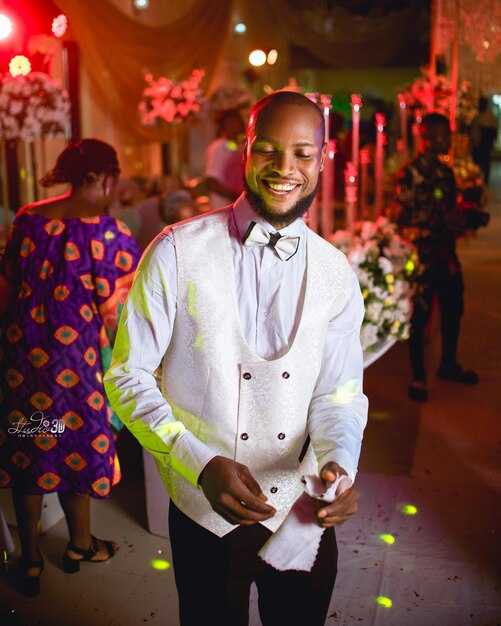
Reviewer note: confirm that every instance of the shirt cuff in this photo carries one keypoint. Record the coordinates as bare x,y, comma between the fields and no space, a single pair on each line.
343,459
189,456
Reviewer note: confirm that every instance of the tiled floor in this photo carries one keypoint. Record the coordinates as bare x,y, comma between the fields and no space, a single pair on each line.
444,458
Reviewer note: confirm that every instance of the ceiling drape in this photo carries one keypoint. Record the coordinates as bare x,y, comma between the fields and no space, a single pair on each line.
341,39
117,48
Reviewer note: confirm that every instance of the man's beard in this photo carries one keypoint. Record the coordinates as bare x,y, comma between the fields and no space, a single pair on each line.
301,206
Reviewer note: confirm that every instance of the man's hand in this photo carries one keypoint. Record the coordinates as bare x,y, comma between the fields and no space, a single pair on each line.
345,505
233,492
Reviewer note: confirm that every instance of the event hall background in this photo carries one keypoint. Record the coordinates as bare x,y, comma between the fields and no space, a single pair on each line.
424,549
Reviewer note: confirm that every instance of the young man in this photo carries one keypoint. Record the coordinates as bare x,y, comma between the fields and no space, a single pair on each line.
426,212
262,378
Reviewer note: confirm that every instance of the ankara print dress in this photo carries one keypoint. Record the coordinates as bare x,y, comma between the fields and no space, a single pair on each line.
68,280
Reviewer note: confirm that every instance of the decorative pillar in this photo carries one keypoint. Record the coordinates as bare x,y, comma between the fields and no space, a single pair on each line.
312,218
326,218
403,146
328,190
364,166
416,135
379,162
356,105
350,197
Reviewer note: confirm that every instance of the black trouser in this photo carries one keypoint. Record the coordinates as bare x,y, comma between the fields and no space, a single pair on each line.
214,574
449,291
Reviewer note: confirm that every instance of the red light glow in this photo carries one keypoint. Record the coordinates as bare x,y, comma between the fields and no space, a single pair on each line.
5,26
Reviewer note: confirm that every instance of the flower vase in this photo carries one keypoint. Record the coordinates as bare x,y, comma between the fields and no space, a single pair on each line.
176,155
18,174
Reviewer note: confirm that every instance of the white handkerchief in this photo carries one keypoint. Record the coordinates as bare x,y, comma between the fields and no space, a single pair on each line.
294,545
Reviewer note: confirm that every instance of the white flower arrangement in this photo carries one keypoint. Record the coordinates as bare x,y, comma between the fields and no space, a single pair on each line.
385,265
32,106
167,100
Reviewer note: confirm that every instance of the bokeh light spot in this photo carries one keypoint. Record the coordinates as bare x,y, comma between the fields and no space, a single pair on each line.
409,509
59,25
387,538
379,415
384,601
257,58
5,26
160,564
272,57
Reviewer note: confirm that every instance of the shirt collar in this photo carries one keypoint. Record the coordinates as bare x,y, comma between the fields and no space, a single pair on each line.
244,214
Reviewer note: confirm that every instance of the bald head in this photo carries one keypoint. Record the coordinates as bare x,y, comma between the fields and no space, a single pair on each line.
284,155
285,99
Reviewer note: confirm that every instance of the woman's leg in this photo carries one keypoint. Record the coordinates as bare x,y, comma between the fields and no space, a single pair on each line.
28,509
76,509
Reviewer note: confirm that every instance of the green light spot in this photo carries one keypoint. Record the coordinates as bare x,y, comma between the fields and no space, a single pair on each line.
384,601
379,415
409,509
387,538
159,564
409,266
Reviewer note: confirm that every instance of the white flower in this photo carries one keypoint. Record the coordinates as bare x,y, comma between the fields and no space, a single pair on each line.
368,230
380,259
356,256
16,106
368,335
341,240
374,310
385,264
364,278
37,103
401,289
371,249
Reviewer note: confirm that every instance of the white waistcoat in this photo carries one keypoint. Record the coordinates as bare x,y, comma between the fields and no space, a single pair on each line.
247,408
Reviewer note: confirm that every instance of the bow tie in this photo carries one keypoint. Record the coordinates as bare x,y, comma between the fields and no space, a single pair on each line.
285,246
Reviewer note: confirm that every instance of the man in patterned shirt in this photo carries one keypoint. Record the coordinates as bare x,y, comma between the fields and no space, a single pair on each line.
426,212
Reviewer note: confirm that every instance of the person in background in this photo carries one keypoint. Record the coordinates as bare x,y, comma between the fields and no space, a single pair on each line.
148,209
223,172
426,212
256,321
177,206
63,280
122,205
484,131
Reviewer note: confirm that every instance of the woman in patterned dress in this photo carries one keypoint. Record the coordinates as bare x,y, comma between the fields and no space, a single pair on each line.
63,279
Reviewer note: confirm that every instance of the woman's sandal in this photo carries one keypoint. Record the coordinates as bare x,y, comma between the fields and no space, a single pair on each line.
30,585
71,566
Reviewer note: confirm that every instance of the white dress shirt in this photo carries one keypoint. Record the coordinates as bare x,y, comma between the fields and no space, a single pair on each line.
269,293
